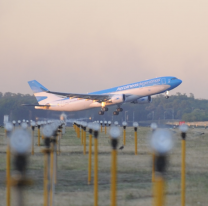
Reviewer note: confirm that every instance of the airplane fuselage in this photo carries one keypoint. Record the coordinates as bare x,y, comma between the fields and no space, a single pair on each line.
132,92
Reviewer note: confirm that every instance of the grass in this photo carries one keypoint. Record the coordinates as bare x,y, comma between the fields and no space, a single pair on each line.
134,171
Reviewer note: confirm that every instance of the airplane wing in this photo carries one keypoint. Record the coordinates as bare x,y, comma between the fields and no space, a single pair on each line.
96,97
36,105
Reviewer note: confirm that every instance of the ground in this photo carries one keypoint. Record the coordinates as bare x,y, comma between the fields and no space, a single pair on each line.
134,171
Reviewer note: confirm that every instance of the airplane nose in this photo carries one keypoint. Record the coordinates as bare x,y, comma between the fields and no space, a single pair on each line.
179,81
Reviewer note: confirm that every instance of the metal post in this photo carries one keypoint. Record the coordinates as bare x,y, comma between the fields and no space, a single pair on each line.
124,135
183,172
38,135
32,149
90,157
51,175
84,131
96,129
153,167
96,172
78,131
135,139
8,177
82,139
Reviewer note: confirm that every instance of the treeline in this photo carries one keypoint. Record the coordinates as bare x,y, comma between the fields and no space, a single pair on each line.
11,104
177,107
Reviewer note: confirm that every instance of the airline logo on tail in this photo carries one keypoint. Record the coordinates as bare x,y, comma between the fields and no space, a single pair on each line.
40,93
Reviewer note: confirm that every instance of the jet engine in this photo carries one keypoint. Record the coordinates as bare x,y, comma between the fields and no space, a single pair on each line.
143,100
118,98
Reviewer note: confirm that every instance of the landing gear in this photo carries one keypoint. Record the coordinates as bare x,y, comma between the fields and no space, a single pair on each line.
104,109
115,113
119,109
101,113
167,94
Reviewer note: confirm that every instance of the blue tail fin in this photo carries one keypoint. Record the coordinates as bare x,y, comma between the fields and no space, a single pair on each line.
40,93
37,87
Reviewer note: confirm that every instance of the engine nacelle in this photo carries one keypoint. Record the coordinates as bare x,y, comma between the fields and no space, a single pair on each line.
118,98
143,100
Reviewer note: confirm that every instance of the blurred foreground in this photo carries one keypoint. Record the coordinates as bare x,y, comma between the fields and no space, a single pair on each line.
134,171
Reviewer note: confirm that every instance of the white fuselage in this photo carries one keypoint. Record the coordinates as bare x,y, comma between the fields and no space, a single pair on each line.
76,104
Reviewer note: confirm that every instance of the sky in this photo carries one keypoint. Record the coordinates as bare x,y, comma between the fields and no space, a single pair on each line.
89,45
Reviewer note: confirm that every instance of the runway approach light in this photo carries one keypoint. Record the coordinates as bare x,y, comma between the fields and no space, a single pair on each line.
14,122
24,125
161,141
153,126
135,124
183,128
115,132
8,127
124,124
84,124
90,125
20,141
116,123
96,126
47,131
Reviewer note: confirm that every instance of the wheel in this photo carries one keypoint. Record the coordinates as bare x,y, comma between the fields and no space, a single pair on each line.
119,109
115,113
101,113
167,97
104,109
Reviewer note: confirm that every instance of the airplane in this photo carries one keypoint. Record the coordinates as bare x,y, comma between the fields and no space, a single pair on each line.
135,93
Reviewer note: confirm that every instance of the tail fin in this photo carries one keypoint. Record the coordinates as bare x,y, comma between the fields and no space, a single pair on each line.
40,92
37,87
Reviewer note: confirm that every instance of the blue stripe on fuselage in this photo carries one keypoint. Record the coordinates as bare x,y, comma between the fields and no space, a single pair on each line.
149,82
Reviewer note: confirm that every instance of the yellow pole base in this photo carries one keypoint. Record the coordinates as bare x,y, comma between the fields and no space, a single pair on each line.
153,167
96,172
159,191
90,159
135,139
113,177
8,177
183,173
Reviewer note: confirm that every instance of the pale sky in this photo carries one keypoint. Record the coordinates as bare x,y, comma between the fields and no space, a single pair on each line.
85,45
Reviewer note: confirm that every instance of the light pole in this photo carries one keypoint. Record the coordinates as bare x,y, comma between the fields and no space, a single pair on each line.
183,128
124,132
114,133
135,125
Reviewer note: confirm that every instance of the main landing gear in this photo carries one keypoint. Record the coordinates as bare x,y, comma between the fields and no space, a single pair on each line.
117,111
103,110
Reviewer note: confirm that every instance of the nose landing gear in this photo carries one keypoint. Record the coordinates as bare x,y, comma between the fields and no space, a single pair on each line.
167,94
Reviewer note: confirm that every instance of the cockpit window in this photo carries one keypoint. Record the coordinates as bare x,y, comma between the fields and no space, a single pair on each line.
173,78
